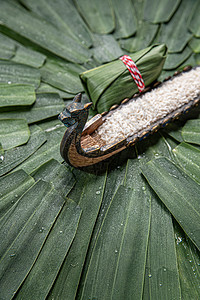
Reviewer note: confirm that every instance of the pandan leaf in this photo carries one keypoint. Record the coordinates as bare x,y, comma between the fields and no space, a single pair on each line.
8,46
105,48
175,33
11,72
116,253
47,88
44,271
191,132
160,11
14,132
42,33
64,76
195,44
188,265
16,95
143,38
126,22
46,105
12,187
162,274
99,15
188,158
29,57
88,195
64,16
51,149
174,60
176,189
194,23
35,213
60,176
1,153
14,157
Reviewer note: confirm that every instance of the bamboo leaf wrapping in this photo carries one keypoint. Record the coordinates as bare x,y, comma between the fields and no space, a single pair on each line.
111,83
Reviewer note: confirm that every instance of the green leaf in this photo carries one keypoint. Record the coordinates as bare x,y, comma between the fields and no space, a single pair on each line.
35,213
145,31
195,44
64,16
51,149
174,60
175,33
191,132
60,177
194,24
1,153
154,146
174,130
188,263
119,254
143,38
178,192
159,11
62,76
12,187
46,105
105,48
197,59
47,88
111,83
88,195
98,15
7,49
116,177
162,277
188,158
44,271
42,33
16,95
16,156
11,72
13,133
29,57
191,61
165,74
50,125
126,22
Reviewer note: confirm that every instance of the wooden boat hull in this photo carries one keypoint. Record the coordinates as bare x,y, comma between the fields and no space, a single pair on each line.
83,147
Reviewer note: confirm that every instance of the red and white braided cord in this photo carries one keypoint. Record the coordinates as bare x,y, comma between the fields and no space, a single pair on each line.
135,73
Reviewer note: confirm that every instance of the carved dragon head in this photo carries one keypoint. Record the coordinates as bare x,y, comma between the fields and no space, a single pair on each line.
74,112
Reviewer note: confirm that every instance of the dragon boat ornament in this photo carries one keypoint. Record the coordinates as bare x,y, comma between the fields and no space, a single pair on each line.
88,143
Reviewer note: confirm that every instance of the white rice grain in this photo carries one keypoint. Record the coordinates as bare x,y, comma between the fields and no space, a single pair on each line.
150,107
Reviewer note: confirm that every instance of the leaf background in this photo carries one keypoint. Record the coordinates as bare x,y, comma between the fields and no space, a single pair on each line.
131,232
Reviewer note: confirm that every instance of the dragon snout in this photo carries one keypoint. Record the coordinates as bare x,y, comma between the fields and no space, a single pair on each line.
66,120
61,117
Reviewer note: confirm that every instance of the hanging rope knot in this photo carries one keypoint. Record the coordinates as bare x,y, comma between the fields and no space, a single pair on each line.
135,73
